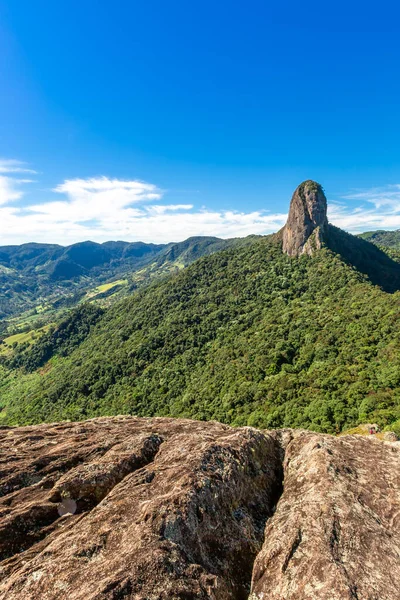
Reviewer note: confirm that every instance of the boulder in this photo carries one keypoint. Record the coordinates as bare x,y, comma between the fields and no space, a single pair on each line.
165,509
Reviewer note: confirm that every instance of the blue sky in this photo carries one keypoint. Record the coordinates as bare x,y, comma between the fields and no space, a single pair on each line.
158,120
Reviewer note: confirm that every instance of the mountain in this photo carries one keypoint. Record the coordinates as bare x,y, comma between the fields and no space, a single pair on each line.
192,249
247,336
387,239
169,509
44,258
49,274
90,258
307,230
307,223
381,268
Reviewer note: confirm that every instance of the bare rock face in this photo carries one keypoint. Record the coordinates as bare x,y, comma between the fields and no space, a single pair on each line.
159,509
165,509
336,531
307,221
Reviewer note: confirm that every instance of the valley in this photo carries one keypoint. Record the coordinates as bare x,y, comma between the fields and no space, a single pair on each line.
246,335
199,300
40,283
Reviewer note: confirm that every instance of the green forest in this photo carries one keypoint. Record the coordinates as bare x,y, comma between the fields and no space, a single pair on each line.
246,336
387,239
49,277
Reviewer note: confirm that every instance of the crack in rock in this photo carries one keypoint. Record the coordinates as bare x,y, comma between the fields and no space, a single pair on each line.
177,509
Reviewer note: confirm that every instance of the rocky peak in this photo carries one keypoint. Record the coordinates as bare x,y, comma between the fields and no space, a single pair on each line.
307,221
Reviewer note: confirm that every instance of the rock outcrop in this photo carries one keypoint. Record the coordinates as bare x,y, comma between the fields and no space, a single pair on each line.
336,532
158,509
307,221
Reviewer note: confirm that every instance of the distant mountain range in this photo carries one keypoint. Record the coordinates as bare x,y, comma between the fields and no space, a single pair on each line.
59,263
33,272
297,329
88,259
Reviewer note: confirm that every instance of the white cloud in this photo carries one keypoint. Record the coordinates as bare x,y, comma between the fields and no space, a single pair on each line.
97,198
9,165
8,190
379,196
375,208
10,186
160,209
102,208
123,192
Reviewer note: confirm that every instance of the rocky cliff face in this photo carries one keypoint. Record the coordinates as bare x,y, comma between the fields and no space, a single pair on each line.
158,509
307,222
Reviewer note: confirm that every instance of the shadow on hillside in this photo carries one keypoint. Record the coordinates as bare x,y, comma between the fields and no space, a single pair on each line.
366,258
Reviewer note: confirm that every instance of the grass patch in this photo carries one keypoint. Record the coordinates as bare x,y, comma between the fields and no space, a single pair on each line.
100,289
21,338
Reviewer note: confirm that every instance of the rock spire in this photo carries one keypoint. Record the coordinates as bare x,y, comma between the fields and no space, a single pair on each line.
307,221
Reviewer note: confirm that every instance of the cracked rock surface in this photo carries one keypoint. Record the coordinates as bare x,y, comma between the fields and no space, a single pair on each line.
307,221
178,509
336,531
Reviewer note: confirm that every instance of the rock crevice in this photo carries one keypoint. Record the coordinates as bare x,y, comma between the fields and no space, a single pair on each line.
173,509
178,509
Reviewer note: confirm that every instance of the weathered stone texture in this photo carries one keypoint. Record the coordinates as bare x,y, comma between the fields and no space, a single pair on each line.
336,532
178,509
166,509
307,221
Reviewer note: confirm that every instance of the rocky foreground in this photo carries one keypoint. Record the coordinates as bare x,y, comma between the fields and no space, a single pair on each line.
157,509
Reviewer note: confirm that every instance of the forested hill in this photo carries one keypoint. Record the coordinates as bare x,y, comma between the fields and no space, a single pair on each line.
381,268
387,239
69,262
49,274
248,335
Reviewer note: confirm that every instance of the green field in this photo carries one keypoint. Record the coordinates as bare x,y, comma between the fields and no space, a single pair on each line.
100,289
42,308
21,338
